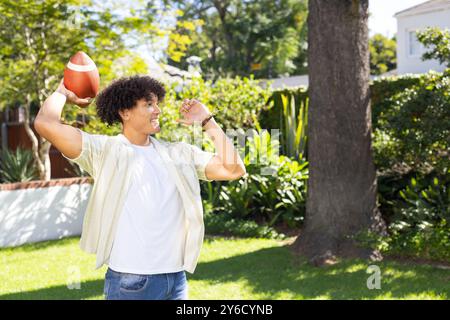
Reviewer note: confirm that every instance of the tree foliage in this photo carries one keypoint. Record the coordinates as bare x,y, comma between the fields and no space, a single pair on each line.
262,37
437,43
383,56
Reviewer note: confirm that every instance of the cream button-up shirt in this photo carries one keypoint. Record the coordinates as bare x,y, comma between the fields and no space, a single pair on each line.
109,161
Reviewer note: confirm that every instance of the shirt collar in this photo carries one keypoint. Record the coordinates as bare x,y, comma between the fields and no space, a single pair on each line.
125,140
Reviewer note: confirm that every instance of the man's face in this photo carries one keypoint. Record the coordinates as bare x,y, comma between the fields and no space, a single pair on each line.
144,116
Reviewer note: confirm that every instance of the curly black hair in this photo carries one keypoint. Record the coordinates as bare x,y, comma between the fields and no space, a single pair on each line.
123,94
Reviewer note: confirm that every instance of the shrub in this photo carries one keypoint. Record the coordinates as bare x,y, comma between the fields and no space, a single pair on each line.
419,226
236,103
413,130
271,194
428,242
437,43
221,224
384,90
17,166
425,201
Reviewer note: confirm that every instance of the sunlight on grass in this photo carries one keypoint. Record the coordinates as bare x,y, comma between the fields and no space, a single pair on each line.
228,269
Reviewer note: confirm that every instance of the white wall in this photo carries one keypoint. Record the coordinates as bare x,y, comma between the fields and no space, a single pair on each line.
293,81
31,215
414,64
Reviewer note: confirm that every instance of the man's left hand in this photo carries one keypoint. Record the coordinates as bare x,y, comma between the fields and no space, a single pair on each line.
192,111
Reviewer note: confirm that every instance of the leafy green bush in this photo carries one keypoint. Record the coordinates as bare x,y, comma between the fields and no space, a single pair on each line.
411,141
419,225
410,137
384,93
17,166
390,183
437,43
265,198
236,103
424,242
428,242
424,202
222,224
271,194
413,131
384,90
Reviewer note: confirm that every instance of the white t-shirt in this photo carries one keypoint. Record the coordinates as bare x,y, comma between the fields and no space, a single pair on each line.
151,231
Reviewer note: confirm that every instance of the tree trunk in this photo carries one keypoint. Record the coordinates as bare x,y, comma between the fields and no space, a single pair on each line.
221,8
40,149
342,185
44,156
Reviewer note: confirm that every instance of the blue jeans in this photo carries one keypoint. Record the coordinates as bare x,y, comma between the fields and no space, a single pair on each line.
127,286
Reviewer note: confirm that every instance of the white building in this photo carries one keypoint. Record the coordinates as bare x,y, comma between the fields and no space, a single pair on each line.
434,13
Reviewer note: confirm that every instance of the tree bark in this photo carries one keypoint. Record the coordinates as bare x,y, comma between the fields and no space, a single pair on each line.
40,149
342,187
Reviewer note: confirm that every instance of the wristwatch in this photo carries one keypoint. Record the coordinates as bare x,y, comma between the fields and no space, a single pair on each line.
207,119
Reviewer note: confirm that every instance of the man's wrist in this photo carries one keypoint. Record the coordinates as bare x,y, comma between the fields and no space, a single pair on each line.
58,92
208,118
211,123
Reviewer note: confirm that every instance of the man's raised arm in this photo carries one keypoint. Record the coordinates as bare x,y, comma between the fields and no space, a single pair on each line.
65,138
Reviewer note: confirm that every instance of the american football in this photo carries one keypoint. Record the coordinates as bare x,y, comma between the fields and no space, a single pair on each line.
81,76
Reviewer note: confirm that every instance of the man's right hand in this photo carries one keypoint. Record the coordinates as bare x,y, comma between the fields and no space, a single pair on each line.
47,123
71,96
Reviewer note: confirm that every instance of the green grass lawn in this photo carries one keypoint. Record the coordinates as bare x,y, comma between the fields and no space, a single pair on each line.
228,269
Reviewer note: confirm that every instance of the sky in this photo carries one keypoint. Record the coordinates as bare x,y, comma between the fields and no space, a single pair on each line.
382,13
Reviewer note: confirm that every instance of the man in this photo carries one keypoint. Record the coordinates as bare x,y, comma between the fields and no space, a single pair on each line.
144,218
